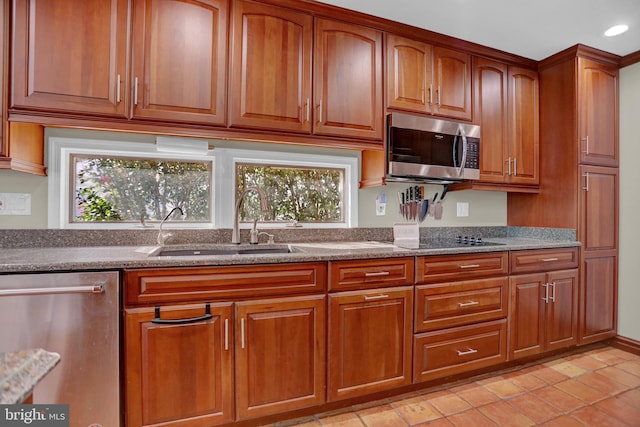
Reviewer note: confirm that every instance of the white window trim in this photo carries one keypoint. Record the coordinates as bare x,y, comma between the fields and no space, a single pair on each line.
223,189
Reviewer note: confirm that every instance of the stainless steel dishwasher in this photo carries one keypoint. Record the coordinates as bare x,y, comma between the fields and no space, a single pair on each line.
75,315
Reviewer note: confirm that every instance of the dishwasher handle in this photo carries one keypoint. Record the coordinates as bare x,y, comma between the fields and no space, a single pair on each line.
157,318
89,289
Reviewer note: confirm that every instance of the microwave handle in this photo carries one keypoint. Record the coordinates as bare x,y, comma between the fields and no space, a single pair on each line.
464,151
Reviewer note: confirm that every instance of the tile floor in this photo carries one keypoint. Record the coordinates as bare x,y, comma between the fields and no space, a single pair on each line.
600,387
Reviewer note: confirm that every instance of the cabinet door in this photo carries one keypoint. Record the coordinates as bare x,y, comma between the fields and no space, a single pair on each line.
370,335
523,126
179,60
270,81
347,80
527,308
598,296
562,309
70,56
408,74
180,373
491,112
598,113
280,355
452,83
599,208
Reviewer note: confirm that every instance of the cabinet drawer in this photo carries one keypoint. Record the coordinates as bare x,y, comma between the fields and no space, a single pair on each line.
370,273
148,286
543,260
453,351
441,268
459,303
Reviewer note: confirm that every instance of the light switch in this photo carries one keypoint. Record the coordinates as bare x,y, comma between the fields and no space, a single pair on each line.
462,208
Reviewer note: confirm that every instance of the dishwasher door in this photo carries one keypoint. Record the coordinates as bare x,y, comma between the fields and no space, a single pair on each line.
75,315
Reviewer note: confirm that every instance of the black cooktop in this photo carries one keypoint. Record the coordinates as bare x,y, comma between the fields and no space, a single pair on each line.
455,242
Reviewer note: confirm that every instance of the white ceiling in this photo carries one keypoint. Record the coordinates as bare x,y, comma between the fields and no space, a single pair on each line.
534,29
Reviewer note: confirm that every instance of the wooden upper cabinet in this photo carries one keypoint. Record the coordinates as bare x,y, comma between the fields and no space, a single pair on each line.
347,80
408,74
598,113
523,126
270,82
599,202
491,112
452,83
428,79
180,60
70,56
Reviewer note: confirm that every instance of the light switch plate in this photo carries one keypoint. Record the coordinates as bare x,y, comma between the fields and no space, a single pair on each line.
15,204
462,208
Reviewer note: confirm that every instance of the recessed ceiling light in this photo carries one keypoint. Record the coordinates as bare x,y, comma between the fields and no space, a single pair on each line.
616,30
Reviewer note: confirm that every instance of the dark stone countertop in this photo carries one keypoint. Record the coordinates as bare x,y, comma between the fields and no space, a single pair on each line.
20,371
119,257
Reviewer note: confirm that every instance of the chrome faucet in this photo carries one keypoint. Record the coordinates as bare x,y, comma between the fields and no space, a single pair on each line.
235,236
164,237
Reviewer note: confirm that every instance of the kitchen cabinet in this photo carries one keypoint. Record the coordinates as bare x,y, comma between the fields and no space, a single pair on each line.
544,301
178,369
231,342
578,98
179,56
53,69
598,112
506,107
280,355
347,80
370,334
427,79
270,79
599,228
461,304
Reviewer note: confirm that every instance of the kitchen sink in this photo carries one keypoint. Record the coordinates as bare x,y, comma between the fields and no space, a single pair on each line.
223,250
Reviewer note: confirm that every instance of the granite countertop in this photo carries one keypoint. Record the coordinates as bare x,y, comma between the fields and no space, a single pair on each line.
20,372
118,257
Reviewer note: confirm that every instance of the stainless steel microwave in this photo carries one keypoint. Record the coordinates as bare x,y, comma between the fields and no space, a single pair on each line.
429,149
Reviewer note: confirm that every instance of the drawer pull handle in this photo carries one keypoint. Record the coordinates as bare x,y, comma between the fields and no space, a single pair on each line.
549,259
375,297
376,273
468,352
468,304
469,266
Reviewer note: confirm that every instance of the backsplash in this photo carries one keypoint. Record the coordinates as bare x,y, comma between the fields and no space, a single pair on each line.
78,238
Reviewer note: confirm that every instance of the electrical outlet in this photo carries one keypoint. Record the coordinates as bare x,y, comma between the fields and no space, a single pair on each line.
462,208
15,204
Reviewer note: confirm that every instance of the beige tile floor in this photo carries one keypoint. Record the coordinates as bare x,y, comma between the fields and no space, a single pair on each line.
600,387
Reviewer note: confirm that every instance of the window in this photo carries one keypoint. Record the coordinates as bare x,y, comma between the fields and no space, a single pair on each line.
303,194
108,188
113,184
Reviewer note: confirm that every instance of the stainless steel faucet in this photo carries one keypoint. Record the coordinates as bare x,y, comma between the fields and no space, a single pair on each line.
235,236
164,237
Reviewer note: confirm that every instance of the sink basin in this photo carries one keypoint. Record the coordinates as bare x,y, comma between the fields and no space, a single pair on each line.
224,250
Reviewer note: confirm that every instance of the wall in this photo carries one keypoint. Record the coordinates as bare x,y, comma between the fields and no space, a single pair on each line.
629,267
486,208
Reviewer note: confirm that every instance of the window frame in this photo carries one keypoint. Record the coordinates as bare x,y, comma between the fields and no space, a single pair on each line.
223,191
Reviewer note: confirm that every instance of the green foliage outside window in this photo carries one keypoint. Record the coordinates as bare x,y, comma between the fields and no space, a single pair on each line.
294,193
125,189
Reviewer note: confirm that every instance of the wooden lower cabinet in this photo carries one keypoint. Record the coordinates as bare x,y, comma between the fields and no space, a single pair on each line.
456,350
543,312
280,355
598,296
370,335
178,372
